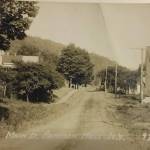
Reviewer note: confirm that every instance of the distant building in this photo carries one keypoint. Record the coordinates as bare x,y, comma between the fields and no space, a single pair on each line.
7,60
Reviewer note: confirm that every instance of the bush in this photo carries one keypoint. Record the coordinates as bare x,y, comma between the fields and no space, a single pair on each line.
35,82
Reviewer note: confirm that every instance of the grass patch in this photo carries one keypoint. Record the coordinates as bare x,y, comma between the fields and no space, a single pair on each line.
16,115
134,115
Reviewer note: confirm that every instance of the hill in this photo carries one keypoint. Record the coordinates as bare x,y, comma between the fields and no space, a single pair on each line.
55,48
100,62
36,42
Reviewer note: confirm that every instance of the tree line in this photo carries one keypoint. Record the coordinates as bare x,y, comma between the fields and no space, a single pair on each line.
126,79
36,81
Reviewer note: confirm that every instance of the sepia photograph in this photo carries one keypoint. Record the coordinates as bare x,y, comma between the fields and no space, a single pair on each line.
74,75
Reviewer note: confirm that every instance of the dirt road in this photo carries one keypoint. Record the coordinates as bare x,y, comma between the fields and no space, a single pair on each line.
87,119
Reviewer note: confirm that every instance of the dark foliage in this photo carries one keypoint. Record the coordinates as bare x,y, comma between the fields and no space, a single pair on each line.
15,19
35,82
74,63
30,82
125,78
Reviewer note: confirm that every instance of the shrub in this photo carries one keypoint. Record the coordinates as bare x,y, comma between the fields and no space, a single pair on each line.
35,82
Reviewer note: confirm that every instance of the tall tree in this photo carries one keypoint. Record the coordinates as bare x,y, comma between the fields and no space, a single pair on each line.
75,64
15,19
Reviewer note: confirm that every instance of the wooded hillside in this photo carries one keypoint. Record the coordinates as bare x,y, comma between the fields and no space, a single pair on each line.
100,62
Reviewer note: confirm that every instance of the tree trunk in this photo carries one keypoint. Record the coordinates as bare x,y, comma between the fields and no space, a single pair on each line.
69,84
5,88
27,98
77,86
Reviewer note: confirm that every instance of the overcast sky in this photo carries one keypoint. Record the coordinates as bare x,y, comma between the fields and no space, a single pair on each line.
110,30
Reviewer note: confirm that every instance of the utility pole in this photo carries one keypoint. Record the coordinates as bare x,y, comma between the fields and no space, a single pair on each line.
116,74
141,79
106,80
141,72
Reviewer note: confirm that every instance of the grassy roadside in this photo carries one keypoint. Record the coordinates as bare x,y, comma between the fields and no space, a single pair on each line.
17,115
134,116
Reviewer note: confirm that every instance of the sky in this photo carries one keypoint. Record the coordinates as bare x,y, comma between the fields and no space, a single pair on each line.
110,30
